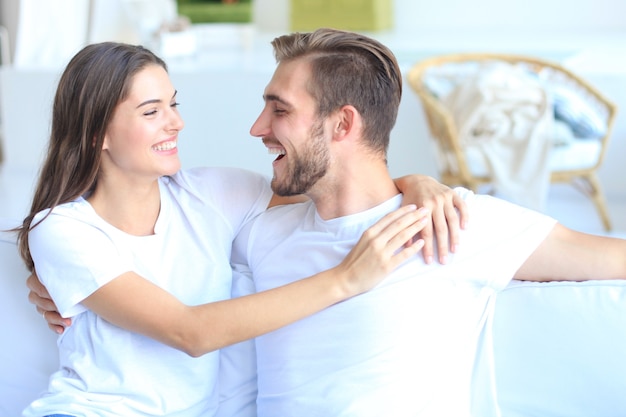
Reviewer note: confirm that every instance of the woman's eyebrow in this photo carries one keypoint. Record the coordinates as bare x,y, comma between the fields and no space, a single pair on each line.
155,100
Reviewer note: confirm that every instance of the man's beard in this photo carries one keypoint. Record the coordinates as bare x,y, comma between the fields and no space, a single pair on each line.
306,167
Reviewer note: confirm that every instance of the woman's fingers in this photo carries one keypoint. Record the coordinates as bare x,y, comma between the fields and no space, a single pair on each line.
383,247
394,233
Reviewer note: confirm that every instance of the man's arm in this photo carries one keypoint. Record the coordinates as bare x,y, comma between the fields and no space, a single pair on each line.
568,255
40,297
449,213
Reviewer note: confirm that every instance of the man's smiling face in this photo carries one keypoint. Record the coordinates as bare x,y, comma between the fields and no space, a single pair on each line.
290,128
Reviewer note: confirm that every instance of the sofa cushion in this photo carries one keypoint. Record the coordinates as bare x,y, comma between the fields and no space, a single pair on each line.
559,349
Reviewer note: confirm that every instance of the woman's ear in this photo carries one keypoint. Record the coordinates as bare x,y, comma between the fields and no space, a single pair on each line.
105,142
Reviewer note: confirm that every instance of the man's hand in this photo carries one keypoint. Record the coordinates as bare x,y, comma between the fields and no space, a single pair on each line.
449,213
39,296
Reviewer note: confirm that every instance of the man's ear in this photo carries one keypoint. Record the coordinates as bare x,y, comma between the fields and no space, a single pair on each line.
347,122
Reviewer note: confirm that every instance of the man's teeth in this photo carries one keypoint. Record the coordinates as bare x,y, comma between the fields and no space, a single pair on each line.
165,146
276,151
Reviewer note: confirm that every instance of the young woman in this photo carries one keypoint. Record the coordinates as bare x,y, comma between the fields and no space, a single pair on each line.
137,252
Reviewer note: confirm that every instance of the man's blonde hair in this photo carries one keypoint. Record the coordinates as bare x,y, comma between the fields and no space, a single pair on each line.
349,69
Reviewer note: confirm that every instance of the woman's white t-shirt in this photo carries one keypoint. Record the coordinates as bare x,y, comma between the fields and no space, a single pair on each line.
106,370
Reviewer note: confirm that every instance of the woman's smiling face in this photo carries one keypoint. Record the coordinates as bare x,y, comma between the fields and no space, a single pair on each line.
142,136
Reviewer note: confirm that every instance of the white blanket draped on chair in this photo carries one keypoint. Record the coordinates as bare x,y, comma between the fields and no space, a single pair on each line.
505,115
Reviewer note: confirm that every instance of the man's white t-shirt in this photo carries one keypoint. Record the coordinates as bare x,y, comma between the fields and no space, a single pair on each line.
106,370
405,348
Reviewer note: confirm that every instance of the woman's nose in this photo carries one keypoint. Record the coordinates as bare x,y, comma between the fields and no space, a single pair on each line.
176,121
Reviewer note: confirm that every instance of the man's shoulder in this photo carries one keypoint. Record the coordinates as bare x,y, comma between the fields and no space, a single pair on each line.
465,193
280,221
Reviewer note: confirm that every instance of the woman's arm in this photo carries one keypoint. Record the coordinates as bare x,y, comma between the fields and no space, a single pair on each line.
449,213
136,304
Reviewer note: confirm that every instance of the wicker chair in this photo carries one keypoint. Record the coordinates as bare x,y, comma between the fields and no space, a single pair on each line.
456,168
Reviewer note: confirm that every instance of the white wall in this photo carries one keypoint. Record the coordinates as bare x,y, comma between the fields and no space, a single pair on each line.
510,16
502,15
221,90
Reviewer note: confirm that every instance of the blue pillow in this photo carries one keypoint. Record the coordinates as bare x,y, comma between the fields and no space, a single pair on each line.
570,108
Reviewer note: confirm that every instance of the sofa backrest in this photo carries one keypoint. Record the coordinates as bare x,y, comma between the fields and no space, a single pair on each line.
28,351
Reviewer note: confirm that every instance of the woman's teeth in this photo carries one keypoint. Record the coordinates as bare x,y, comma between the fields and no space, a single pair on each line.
165,146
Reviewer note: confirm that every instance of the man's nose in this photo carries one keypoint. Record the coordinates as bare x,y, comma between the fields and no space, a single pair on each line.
260,127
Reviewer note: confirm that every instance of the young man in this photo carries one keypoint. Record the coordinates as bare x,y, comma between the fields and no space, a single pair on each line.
407,347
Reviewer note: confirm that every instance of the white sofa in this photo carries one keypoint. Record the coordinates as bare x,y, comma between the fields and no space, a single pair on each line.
559,349
28,347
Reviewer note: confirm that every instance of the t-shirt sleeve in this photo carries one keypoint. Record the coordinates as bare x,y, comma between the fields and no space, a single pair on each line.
73,259
240,195
499,238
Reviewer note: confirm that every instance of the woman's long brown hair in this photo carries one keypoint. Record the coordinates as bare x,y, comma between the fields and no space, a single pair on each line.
94,82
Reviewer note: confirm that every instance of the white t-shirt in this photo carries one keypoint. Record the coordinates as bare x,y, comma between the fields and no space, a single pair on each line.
407,347
106,370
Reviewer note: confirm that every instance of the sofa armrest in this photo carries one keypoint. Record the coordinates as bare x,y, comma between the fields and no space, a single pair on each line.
28,351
